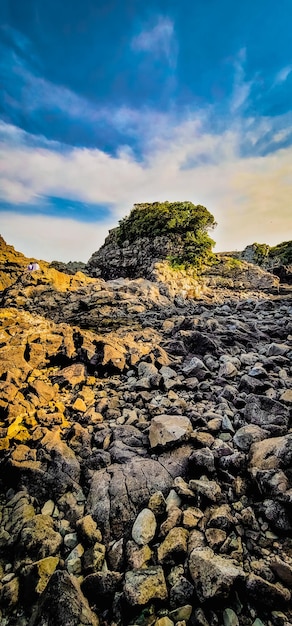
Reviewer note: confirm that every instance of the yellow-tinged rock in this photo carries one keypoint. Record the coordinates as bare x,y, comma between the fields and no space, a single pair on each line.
45,568
22,435
79,405
60,406
4,443
13,429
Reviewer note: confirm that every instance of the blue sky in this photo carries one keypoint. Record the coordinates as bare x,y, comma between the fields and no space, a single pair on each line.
105,104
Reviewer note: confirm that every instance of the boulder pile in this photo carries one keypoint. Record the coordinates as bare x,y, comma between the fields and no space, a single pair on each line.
146,449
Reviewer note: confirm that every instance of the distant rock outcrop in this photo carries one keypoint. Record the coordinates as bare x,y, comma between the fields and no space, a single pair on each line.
149,258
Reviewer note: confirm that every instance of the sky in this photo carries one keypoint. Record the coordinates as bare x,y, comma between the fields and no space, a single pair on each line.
104,104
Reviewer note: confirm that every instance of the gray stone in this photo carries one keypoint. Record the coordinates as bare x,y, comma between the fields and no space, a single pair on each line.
213,576
144,527
167,430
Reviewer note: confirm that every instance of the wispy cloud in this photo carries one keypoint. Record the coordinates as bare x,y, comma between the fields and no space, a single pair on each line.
283,74
241,87
244,194
158,40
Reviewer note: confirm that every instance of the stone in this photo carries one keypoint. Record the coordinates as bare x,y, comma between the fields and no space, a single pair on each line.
173,519
35,577
221,517
191,517
93,558
174,544
72,375
116,496
99,588
266,594
286,396
167,430
268,414
207,488
144,527
213,576
215,537
157,503
196,540
142,586
38,539
282,570
87,530
138,557
181,593
63,603
9,593
230,618
227,370
202,460
248,435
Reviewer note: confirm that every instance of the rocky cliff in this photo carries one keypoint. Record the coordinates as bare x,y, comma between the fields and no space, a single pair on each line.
149,258
146,444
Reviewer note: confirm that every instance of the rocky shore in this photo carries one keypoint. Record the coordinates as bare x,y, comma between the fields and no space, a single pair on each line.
146,450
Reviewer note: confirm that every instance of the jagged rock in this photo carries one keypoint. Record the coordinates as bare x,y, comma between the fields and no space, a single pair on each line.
116,494
138,557
63,603
99,588
268,414
266,594
283,571
213,576
173,519
207,488
17,512
93,558
141,586
38,539
9,593
157,503
88,531
35,577
174,544
166,430
215,537
248,435
221,517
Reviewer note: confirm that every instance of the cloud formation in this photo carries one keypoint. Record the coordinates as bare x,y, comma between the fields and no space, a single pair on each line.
159,40
244,194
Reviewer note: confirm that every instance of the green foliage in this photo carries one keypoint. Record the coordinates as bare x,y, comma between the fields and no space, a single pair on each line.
234,264
281,254
282,251
182,222
262,251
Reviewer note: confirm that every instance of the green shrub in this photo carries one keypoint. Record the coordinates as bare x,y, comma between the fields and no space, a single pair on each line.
183,222
283,252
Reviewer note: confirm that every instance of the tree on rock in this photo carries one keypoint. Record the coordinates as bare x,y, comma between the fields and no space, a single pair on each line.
183,222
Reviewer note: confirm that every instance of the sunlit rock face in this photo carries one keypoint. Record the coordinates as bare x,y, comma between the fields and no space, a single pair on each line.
145,448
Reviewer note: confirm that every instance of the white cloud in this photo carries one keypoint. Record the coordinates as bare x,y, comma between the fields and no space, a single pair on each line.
158,40
283,74
51,238
241,87
249,197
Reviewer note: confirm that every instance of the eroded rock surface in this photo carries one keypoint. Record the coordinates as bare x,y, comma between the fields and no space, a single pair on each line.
145,442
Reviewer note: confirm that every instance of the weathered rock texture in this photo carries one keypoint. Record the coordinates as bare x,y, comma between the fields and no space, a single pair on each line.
145,452
147,257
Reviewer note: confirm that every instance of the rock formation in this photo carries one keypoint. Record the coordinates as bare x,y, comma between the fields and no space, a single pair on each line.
146,447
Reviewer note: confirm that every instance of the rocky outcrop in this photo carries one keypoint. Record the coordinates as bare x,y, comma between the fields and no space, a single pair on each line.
148,258
145,451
